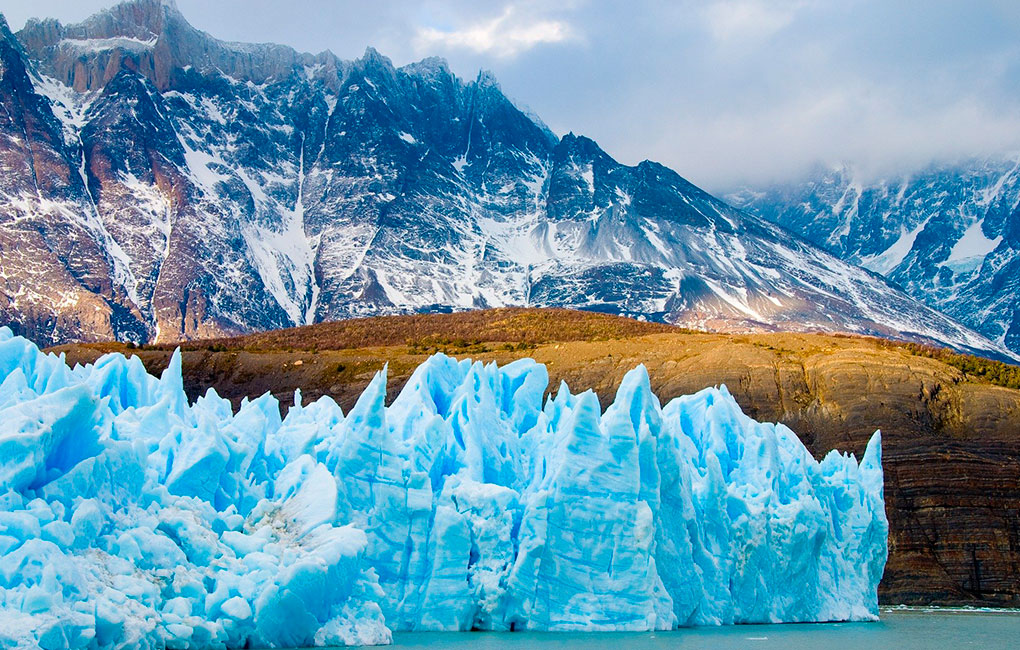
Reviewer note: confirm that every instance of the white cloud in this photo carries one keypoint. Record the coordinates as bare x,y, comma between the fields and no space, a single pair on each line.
860,123
505,36
749,20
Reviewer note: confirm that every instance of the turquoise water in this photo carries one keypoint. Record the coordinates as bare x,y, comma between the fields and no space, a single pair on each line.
902,630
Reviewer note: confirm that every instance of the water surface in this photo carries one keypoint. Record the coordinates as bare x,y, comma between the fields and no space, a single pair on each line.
902,630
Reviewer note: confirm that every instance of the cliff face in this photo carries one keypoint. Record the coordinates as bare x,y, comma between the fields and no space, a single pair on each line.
951,452
152,39
951,445
55,276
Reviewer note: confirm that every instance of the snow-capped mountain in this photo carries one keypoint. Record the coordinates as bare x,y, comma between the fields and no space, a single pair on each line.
949,234
161,184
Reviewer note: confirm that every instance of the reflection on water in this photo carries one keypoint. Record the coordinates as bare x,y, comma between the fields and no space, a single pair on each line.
899,629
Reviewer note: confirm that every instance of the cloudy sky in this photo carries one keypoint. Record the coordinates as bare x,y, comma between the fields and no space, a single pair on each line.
724,91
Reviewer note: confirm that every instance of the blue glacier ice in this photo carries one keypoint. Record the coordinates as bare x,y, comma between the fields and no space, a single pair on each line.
130,517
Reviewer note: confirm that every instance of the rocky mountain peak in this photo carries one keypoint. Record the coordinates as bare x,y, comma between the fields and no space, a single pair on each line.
372,58
433,67
486,79
152,38
578,147
375,68
5,31
138,19
9,46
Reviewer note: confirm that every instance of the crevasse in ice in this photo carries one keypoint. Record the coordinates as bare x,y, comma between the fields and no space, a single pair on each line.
132,518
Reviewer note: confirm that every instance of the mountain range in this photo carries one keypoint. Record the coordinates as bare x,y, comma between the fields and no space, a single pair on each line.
948,234
163,185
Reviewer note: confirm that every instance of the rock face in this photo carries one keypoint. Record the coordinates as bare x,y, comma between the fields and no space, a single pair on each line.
949,235
172,186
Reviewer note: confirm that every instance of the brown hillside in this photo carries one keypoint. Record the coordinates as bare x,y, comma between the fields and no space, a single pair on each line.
510,324
951,439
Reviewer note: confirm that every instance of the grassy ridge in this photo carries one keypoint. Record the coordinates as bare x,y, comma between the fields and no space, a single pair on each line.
516,329
515,325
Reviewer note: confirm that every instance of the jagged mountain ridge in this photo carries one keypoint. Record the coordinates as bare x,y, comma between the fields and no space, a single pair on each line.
948,234
164,185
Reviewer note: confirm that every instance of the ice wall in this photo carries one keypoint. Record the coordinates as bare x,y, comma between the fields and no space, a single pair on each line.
131,518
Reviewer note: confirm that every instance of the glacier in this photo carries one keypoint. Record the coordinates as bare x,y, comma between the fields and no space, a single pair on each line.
131,517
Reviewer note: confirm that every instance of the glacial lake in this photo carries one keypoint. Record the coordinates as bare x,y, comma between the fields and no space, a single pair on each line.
897,629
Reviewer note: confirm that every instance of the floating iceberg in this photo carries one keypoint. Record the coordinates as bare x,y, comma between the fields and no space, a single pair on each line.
131,518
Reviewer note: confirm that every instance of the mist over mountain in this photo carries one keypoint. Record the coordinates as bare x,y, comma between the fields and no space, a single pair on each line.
948,234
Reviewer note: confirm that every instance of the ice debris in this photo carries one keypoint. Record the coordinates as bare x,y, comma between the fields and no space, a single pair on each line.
132,518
